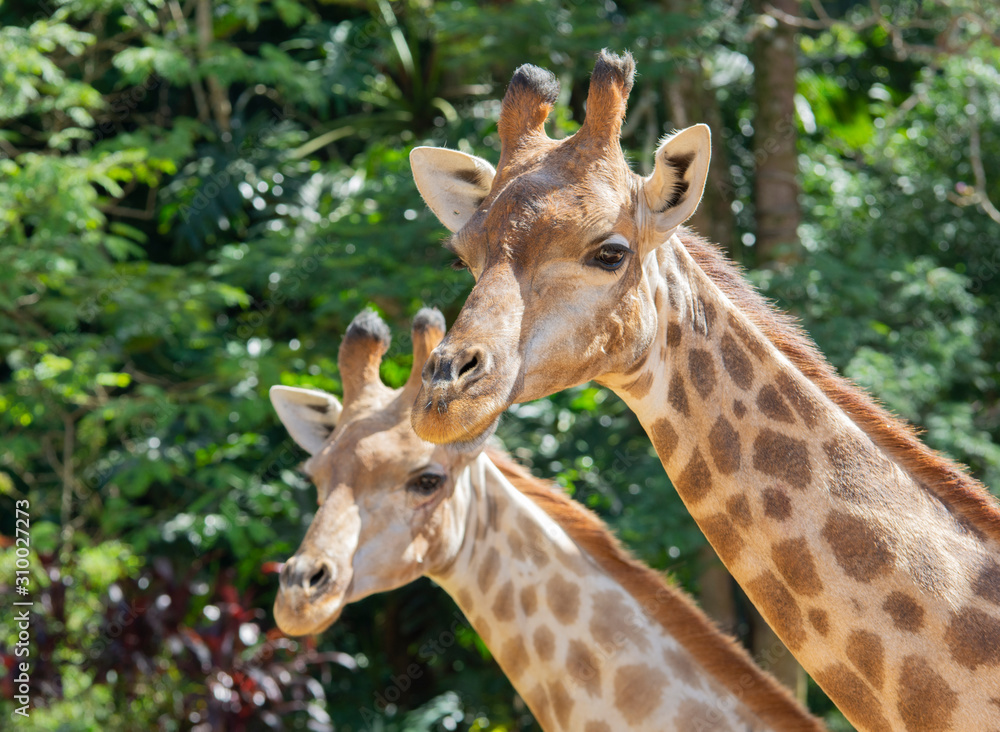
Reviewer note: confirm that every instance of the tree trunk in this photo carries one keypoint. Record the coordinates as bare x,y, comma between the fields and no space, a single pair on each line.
773,656
218,96
714,217
776,188
689,102
716,595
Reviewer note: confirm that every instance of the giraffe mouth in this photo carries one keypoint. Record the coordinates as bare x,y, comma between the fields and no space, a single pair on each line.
300,626
462,421
298,614
474,445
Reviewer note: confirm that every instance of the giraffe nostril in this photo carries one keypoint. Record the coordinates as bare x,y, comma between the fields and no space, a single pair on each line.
432,368
318,578
469,366
474,362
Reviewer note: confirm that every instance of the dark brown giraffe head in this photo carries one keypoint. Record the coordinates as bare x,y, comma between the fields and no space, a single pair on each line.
557,238
385,513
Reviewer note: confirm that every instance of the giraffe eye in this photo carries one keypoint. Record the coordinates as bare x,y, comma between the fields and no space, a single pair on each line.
611,255
425,484
458,265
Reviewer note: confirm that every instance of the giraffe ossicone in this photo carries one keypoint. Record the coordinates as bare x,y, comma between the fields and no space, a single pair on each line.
876,560
592,639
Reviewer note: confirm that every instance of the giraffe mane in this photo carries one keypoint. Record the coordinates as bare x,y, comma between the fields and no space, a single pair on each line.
718,653
945,478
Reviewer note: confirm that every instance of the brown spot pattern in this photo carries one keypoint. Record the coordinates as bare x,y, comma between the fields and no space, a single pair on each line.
583,668
572,562
638,691
853,697
738,508
516,543
641,386
694,716
482,628
612,623
796,395
973,637
695,481
536,546
482,526
538,701
853,460
702,371
926,569
906,613
743,332
563,598
724,445
664,439
464,599
488,570
493,511
779,608
708,310
739,409
736,362
529,600
682,666
987,584
673,335
671,279
562,703
860,550
777,504
723,536
796,564
783,457
677,395
926,702
640,362
544,642
772,405
820,621
864,648
513,657
597,727
503,606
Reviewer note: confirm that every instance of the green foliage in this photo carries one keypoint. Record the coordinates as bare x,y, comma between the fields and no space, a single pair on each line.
191,213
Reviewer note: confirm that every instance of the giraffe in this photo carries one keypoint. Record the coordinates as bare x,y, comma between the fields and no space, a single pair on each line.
875,560
592,639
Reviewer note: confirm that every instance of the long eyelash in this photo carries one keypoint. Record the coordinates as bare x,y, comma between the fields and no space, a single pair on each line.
458,265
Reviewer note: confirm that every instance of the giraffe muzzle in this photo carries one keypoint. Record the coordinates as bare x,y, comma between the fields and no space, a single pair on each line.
458,400
310,595
469,379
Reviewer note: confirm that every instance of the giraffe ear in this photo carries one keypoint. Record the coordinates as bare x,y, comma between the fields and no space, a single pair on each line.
452,183
672,193
308,415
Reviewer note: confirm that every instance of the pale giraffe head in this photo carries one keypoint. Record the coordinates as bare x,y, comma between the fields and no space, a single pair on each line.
557,238
387,510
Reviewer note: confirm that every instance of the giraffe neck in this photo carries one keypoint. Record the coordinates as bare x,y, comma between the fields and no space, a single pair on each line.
578,647
882,591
